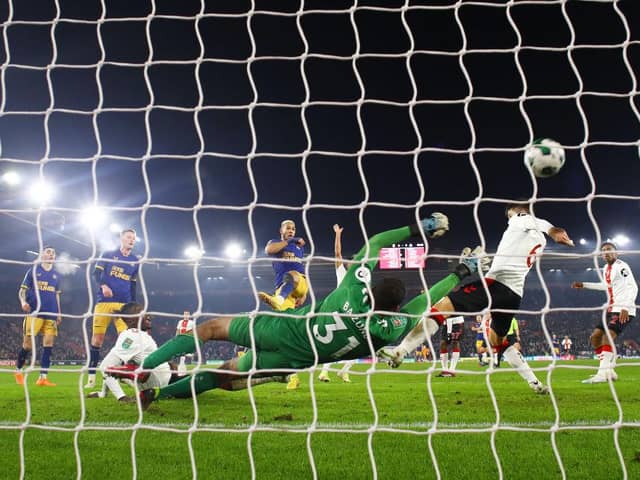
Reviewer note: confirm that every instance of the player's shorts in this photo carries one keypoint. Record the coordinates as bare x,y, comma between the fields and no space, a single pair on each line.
101,321
512,339
473,298
480,344
455,335
280,342
613,322
302,288
35,325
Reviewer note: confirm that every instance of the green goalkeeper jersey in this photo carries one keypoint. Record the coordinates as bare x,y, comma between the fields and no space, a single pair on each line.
342,329
341,325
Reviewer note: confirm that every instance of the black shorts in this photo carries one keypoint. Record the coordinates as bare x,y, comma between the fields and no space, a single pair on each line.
473,298
512,339
456,332
613,322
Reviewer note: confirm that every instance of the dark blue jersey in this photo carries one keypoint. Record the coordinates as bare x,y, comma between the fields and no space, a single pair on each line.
47,288
120,277
289,258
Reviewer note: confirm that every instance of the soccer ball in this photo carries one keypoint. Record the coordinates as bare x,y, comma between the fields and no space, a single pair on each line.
184,326
545,157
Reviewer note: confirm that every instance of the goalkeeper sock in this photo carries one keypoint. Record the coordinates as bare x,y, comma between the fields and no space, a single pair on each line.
455,356
94,358
178,345
22,357
325,368
517,361
45,361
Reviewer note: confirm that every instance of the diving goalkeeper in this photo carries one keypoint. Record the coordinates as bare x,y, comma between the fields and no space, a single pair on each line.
343,325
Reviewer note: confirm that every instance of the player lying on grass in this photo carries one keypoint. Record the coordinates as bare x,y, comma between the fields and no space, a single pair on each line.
343,324
132,347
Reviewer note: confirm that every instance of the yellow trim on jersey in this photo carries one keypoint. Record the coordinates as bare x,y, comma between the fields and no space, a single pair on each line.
99,267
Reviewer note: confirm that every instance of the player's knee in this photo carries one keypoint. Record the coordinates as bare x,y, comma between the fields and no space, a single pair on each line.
213,329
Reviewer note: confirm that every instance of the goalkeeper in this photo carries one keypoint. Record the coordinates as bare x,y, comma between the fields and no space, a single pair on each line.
341,325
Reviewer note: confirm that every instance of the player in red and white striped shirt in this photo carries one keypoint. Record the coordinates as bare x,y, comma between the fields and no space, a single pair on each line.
622,291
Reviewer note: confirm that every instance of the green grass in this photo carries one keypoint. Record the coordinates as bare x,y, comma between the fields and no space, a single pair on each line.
286,440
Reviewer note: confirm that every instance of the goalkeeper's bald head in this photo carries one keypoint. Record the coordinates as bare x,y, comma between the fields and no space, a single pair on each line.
131,315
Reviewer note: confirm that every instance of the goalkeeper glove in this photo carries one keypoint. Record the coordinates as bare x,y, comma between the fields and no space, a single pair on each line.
391,356
434,226
472,261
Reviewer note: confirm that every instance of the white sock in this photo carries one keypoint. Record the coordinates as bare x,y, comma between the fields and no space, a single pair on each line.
455,356
444,359
114,386
346,367
606,364
484,357
516,360
417,336
182,366
325,369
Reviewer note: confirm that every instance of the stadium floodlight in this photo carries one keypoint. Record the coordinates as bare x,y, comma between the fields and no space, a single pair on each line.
11,178
41,193
93,217
115,228
234,250
194,252
583,241
621,240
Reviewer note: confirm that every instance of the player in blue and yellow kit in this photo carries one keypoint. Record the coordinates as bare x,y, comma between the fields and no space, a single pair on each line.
291,283
42,306
115,274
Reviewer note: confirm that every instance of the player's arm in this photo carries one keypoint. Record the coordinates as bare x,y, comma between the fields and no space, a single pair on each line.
276,246
27,283
134,283
628,294
337,244
589,285
98,276
59,319
529,222
434,226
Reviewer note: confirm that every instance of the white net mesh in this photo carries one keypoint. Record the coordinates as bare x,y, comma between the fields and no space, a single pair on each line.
199,123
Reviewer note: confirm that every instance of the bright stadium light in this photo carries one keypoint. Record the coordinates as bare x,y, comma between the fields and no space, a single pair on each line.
582,241
11,178
115,228
621,240
194,252
41,192
233,250
93,217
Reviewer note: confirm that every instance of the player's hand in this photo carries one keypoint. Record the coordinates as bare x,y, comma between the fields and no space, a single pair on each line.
436,225
337,229
577,285
475,260
624,316
58,320
106,291
559,235
391,356
26,308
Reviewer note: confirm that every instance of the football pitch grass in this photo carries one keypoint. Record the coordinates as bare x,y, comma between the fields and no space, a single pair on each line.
344,437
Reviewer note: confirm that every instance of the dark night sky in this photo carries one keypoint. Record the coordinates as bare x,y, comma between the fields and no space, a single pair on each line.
114,110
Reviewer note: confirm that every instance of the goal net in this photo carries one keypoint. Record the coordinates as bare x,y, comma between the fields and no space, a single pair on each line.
203,125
